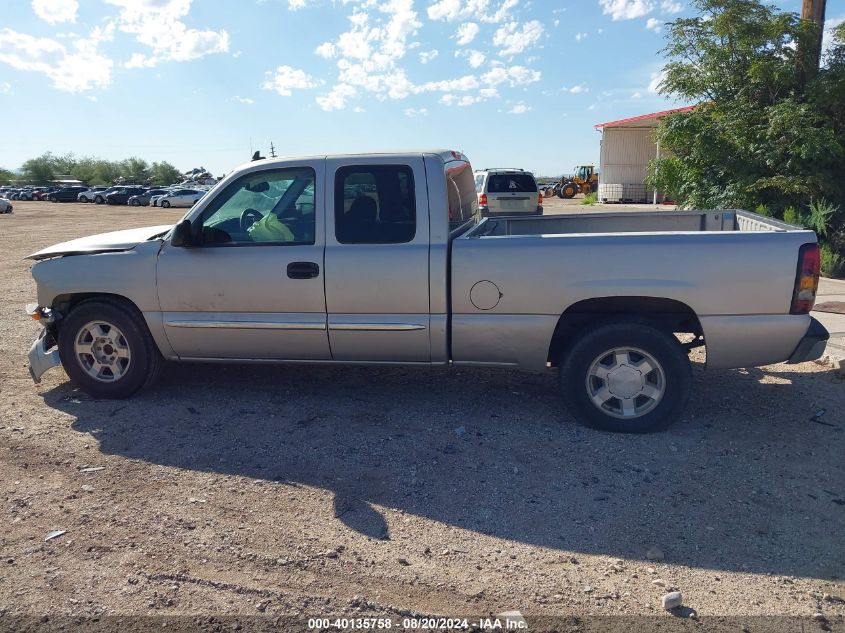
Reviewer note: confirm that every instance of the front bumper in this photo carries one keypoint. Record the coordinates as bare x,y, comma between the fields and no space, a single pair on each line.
812,345
43,355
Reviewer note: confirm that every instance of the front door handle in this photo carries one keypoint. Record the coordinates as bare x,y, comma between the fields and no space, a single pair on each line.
303,270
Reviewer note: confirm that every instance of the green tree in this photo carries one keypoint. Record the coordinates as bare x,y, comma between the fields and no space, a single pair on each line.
164,173
107,172
135,170
39,171
768,130
6,176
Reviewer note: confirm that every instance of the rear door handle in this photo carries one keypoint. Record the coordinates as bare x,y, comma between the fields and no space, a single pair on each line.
303,270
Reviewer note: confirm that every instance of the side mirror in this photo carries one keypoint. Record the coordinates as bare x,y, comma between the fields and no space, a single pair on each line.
182,234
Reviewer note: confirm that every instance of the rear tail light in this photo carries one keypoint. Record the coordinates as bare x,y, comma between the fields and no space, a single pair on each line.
540,199
482,199
806,280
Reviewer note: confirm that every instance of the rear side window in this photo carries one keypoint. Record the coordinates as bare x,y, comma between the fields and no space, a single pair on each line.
514,183
460,187
375,204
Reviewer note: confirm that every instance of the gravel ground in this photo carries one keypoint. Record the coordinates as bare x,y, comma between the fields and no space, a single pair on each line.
315,490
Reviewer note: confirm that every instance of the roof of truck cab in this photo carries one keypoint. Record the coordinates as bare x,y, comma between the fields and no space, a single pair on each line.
446,155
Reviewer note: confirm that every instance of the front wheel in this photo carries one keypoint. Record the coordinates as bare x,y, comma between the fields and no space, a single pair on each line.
107,350
626,377
165,204
134,203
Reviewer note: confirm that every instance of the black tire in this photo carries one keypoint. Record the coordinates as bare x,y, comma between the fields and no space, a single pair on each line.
134,203
165,204
145,363
597,343
567,191
52,199
99,200
82,199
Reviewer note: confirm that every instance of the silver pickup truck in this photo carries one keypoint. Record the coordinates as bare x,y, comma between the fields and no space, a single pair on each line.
383,258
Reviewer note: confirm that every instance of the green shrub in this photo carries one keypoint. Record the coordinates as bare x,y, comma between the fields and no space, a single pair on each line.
821,217
590,198
791,216
762,209
832,262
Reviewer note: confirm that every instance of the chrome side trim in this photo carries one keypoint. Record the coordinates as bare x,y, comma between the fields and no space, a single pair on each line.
377,327
246,325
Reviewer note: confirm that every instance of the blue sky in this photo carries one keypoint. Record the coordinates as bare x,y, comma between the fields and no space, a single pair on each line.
197,82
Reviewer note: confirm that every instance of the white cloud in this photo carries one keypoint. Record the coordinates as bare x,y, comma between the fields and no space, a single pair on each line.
580,36
5,87
577,89
827,34
626,9
427,56
245,100
670,6
295,5
461,84
370,56
475,58
656,79
415,112
462,101
54,11
326,50
519,108
515,76
452,10
92,98
285,79
654,24
369,53
637,95
336,98
512,39
76,69
158,25
466,33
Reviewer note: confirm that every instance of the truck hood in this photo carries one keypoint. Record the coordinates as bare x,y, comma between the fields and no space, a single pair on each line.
103,243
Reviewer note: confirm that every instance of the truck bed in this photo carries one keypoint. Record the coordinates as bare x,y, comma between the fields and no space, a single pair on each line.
630,222
734,270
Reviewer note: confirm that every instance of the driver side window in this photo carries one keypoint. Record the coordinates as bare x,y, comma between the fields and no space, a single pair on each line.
272,207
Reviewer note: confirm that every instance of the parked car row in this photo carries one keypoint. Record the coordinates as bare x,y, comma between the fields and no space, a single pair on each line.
134,195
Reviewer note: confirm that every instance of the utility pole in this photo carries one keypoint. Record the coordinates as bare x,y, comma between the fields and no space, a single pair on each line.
813,11
272,150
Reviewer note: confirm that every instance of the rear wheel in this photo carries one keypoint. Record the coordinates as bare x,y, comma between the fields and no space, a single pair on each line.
627,377
165,204
82,198
52,198
134,203
99,200
107,350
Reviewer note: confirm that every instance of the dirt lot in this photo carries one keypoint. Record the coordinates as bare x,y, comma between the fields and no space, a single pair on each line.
313,490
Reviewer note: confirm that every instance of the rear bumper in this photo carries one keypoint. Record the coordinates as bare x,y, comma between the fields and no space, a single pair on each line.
487,213
812,345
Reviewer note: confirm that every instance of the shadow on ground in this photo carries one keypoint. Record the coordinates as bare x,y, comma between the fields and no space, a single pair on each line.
734,485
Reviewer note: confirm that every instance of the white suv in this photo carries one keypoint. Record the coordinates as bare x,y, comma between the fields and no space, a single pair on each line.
507,192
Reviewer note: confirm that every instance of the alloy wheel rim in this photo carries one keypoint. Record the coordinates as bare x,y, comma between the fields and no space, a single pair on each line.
625,382
102,351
